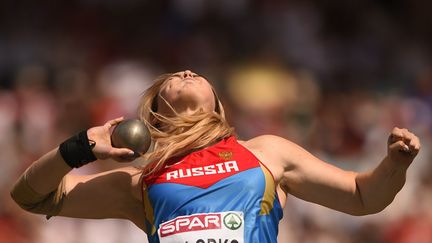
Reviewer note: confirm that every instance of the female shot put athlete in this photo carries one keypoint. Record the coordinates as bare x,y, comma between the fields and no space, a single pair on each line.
203,185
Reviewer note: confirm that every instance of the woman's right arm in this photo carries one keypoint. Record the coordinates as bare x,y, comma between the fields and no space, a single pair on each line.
47,188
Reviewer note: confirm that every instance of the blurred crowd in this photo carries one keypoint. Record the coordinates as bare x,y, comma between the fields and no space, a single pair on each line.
332,76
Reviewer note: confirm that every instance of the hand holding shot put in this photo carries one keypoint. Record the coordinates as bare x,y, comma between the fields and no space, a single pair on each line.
128,139
202,184
103,149
132,134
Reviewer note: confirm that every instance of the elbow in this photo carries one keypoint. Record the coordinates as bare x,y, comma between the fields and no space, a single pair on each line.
21,203
24,196
33,202
367,203
13,195
367,211
376,208
369,208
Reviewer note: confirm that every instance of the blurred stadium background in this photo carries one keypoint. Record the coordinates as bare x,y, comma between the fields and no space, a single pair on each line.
332,76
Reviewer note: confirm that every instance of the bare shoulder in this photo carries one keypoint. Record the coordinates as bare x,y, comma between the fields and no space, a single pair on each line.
264,141
273,151
127,177
109,194
271,144
133,172
134,208
136,180
277,149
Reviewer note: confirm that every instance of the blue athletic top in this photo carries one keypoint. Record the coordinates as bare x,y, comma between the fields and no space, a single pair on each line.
220,194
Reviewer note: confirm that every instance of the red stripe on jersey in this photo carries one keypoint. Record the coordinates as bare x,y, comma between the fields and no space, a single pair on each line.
203,169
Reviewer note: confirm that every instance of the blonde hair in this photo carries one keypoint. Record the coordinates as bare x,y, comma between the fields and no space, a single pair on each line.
179,134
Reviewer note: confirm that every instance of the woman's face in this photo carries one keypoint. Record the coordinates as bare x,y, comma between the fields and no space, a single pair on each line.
186,92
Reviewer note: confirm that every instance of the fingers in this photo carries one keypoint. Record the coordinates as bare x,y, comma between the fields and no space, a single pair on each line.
114,122
399,146
396,135
414,143
123,155
404,141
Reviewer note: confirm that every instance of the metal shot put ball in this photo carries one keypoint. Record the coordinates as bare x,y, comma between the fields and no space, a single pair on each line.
132,134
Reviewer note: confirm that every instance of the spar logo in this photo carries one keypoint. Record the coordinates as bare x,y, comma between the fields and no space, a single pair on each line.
232,221
216,227
191,223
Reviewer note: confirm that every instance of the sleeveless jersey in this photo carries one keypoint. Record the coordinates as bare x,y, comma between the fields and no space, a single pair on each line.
220,194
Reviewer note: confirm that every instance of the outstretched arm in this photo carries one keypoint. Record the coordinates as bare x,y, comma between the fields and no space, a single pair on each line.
309,178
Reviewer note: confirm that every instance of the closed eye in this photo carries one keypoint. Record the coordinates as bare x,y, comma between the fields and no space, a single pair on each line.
179,75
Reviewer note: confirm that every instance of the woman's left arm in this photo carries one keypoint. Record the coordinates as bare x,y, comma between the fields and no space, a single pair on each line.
309,178
378,188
